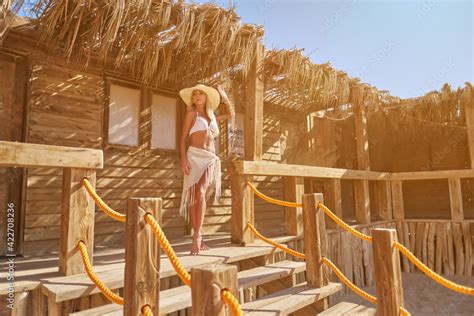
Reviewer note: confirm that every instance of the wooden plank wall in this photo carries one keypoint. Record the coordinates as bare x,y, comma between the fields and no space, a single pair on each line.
401,143
269,218
66,108
7,67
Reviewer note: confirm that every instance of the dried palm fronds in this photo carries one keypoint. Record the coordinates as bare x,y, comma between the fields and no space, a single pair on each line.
311,87
159,41
435,113
8,16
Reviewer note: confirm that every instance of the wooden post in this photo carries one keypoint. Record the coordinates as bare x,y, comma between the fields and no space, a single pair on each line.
206,285
362,137
332,196
397,199
384,199
362,201
315,243
142,257
361,187
253,134
242,209
388,276
455,198
294,189
467,102
77,220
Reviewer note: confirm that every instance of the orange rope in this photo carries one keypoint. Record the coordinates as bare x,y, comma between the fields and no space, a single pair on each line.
226,296
165,244
271,242
341,223
234,305
326,210
347,282
354,287
146,310
433,275
101,204
272,200
90,272
328,262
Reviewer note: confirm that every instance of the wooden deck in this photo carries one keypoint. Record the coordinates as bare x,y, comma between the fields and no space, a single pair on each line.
39,276
31,272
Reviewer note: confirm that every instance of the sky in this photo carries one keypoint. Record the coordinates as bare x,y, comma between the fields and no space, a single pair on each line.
408,47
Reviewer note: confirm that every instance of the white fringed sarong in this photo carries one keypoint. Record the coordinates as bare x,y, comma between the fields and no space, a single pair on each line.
200,161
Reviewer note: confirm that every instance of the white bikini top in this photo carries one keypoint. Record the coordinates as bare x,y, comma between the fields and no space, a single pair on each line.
200,124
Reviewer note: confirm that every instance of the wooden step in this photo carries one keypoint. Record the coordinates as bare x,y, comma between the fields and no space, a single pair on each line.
180,297
65,288
346,308
289,300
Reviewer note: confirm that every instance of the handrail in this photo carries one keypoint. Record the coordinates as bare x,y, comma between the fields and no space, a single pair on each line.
266,168
258,168
15,154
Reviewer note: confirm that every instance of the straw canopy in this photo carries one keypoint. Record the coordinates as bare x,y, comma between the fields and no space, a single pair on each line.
159,41
174,43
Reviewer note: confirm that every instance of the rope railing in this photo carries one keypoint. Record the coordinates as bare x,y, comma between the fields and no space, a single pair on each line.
277,245
166,246
272,200
433,275
407,253
326,210
329,263
114,298
230,300
343,224
226,295
354,287
101,204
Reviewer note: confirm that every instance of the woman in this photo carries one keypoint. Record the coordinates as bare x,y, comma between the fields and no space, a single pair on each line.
199,164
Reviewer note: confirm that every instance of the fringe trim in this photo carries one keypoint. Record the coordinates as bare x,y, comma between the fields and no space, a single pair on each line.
212,175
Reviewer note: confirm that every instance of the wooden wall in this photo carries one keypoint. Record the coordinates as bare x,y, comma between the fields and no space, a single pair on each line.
6,86
13,80
397,142
268,217
65,108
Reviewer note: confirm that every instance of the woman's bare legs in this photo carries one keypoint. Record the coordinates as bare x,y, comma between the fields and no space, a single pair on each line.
197,211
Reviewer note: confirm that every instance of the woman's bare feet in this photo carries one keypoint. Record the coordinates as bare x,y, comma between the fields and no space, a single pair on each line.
204,246
196,245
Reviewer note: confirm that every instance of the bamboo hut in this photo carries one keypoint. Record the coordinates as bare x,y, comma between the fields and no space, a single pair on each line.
96,75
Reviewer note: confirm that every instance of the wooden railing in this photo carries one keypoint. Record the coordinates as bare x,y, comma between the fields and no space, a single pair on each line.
389,192
77,214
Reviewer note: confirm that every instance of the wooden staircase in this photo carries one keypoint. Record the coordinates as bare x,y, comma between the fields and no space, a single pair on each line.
279,303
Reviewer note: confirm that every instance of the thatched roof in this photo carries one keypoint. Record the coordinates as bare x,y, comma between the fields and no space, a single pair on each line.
160,41
293,79
166,42
9,18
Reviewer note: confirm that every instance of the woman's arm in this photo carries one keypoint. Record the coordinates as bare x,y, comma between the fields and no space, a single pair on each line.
188,119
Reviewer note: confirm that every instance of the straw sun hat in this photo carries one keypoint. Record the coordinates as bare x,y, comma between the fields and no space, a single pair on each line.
213,97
